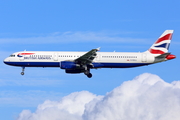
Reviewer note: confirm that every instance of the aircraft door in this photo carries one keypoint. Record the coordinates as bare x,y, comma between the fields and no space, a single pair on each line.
98,57
144,57
55,57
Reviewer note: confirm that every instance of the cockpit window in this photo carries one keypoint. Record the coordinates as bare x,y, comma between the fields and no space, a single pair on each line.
12,56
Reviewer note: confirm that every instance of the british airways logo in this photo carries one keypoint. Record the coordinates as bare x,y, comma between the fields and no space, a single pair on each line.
23,54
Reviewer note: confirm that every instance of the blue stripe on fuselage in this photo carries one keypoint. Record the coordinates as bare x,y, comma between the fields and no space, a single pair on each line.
96,65
118,65
34,64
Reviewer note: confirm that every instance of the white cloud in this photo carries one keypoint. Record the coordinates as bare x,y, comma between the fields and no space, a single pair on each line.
146,97
66,37
70,107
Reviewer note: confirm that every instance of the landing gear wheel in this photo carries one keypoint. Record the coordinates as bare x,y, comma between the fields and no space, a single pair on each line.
22,73
89,75
86,72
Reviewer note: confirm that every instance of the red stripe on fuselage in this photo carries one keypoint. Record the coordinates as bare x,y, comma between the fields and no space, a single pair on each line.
166,37
26,53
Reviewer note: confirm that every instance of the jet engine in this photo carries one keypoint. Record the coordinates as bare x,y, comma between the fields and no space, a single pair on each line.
69,65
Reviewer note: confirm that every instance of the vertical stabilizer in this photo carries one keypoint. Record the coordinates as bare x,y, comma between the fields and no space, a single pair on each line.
161,46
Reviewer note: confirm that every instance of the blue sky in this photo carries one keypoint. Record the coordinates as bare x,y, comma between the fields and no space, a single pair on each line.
78,25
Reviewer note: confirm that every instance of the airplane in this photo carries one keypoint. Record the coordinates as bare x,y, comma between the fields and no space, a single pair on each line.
83,62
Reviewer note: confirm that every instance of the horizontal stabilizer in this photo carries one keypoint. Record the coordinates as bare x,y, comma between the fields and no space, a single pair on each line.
163,55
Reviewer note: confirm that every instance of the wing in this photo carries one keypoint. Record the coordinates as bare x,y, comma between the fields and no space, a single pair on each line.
87,58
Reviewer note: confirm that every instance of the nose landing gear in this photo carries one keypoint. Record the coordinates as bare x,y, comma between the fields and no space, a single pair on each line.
22,73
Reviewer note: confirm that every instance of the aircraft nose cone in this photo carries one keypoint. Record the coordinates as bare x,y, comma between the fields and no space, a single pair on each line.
6,60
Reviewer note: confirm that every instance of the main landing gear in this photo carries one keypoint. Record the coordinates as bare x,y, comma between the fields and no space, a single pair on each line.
22,73
87,73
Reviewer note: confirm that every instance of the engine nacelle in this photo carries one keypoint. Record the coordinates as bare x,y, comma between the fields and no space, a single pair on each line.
69,65
74,71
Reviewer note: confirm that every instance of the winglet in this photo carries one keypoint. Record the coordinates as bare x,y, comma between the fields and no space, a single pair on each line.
98,49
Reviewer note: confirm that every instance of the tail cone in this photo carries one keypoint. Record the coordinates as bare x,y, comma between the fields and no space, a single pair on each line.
169,57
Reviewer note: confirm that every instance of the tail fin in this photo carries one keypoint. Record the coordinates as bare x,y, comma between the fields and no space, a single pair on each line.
161,46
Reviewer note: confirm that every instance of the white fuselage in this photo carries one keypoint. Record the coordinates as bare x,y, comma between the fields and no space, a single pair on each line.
102,60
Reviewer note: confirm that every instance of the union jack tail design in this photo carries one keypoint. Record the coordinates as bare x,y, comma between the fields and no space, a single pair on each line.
161,46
